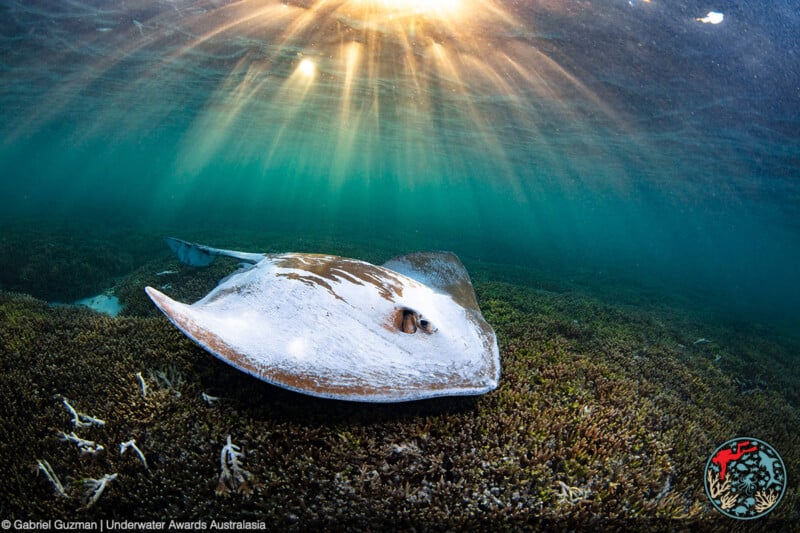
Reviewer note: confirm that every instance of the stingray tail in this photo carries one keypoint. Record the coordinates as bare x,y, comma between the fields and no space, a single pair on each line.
199,255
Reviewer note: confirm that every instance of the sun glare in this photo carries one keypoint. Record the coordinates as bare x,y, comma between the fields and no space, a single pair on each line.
356,83
307,68
440,8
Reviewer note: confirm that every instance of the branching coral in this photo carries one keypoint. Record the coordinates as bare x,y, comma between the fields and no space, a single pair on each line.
81,420
618,411
720,490
142,384
571,495
132,444
45,467
233,476
95,488
210,400
170,377
85,446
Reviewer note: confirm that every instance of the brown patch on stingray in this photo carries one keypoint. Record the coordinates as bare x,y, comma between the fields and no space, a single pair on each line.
335,269
311,281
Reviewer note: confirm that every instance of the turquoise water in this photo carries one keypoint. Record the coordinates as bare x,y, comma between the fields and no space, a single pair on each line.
627,144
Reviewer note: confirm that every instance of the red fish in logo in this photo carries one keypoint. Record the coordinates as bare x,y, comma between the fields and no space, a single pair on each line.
723,457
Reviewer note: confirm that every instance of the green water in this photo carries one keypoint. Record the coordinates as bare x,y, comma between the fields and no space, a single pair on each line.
544,146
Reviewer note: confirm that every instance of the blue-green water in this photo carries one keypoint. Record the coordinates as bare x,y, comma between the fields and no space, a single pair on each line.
627,144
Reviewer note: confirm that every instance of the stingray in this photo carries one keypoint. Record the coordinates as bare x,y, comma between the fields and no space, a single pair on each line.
341,328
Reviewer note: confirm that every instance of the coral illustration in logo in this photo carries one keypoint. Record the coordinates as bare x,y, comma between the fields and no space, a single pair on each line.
745,478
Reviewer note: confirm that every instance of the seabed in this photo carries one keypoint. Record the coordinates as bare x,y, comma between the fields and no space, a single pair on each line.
604,419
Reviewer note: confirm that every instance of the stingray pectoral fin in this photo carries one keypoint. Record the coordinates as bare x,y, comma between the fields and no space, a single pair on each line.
199,255
182,316
174,310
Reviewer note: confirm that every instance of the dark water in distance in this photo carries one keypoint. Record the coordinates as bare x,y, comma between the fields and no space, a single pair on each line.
624,139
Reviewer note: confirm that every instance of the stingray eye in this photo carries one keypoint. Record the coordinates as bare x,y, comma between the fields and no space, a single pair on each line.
425,325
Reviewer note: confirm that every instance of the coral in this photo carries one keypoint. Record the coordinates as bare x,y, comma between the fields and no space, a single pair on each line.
51,476
169,378
81,420
210,400
142,384
56,264
85,446
600,397
95,488
233,476
571,495
131,444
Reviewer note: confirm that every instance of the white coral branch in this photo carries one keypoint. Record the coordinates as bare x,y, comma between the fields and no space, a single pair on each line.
720,490
95,488
132,445
142,384
81,420
233,476
85,446
45,467
210,400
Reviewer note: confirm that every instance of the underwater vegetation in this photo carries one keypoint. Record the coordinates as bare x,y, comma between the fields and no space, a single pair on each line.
604,418
57,264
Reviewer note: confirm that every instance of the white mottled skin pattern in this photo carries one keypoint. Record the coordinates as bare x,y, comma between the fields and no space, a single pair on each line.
336,332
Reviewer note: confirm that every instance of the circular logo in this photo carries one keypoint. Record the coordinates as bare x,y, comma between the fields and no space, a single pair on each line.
745,478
